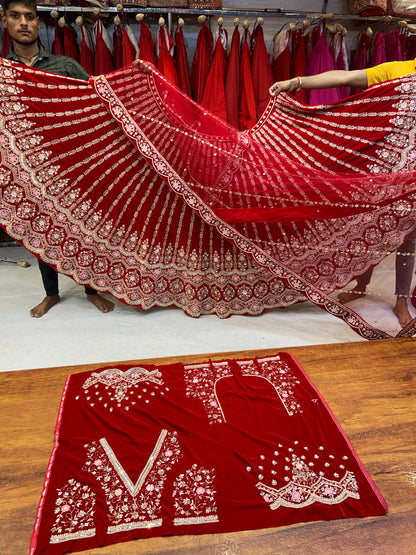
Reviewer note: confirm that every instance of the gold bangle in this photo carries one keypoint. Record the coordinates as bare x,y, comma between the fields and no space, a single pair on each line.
300,83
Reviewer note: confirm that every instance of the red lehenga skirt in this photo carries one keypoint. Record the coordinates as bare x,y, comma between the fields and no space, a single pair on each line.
127,185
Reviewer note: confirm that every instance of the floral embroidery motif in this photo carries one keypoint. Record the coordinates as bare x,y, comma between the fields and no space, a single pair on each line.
304,486
131,505
121,387
194,495
201,381
74,510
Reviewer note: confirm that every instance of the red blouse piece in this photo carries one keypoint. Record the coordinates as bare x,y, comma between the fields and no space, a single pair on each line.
202,448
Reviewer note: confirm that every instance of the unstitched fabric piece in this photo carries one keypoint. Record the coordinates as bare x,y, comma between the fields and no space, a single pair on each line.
211,447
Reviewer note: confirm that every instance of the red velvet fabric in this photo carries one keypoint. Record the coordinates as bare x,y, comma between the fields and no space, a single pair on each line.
203,448
149,197
57,47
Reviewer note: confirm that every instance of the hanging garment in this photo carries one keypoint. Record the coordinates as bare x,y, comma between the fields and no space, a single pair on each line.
164,51
70,43
152,199
261,71
320,59
6,42
87,50
393,46
378,54
57,47
103,61
282,60
359,58
232,81
202,448
117,46
214,92
248,112
181,62
130,46
201,63
298,63
147,51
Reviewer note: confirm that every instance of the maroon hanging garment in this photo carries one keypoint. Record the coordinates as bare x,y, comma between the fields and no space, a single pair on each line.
117,44
6,43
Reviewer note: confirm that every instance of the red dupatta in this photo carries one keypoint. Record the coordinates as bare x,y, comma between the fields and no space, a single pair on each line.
142,193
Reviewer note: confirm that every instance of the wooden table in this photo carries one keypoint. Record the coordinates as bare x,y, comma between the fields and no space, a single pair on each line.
370,387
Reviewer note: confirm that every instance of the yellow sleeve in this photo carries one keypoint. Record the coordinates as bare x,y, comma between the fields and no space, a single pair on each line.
390,70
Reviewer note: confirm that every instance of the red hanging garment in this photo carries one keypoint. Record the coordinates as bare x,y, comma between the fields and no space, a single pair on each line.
359,59
152,199
298,65
261,71
117,46
103,62
282,62
57,47
70,43
214,93
87,50
232,81
164,50
248,113
182,64
201,63
146,44
130,46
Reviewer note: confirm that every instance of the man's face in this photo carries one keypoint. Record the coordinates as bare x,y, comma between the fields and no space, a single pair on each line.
22,23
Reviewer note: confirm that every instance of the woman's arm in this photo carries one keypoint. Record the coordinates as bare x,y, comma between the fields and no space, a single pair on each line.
326,80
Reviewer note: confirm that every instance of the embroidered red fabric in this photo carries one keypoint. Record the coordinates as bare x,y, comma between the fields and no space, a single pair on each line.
129,186
202,448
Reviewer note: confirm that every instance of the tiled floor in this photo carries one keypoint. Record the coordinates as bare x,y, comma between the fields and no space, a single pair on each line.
74,332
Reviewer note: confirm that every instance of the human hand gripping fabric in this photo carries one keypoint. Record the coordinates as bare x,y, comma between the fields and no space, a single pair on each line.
290,85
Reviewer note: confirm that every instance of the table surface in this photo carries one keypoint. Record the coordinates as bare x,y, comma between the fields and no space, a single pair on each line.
370,387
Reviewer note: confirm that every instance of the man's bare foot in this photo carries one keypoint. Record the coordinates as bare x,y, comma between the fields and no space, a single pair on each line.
101,303
349,296
401,310
43,307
